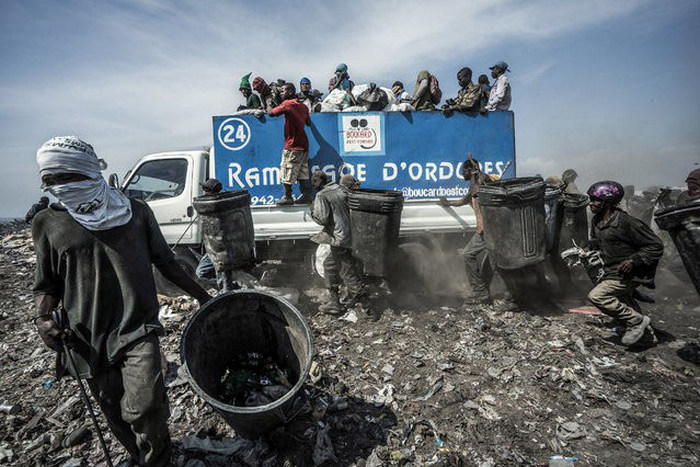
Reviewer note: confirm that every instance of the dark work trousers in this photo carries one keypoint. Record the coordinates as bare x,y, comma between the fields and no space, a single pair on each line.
472,254
133,398
339,264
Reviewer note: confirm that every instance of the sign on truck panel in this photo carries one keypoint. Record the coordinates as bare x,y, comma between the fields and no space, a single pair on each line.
418,153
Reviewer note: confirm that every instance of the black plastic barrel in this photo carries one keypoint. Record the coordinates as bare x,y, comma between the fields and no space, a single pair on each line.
227,229
683,224
553,215
376,220
514,224
574,226
237,323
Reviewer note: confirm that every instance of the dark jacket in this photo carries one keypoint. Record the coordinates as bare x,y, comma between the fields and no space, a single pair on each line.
625,237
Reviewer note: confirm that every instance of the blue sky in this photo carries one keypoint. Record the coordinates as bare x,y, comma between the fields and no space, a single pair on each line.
609,88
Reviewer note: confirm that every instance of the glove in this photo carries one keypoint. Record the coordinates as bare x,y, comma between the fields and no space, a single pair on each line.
50,334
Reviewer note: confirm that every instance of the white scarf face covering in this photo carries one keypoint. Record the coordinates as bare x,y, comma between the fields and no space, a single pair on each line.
92,203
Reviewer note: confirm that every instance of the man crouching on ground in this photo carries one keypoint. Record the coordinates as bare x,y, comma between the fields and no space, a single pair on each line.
630,251
330,210
94,253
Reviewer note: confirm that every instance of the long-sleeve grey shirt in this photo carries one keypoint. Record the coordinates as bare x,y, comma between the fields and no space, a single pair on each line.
330,210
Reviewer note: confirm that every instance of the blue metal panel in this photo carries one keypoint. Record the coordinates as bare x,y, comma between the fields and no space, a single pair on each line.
419,153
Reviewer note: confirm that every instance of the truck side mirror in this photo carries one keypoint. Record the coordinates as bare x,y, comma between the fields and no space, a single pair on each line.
114,181
190,211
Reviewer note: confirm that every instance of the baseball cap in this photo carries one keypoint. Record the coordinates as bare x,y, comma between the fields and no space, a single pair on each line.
501,65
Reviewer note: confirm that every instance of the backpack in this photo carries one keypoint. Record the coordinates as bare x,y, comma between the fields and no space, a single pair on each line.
373,98
435,92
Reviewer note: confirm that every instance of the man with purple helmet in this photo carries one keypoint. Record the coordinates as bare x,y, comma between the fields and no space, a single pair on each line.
630,251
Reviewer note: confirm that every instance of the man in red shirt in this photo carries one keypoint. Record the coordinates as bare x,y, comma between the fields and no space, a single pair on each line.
295,156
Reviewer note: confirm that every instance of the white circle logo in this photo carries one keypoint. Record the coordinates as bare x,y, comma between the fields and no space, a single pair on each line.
234,134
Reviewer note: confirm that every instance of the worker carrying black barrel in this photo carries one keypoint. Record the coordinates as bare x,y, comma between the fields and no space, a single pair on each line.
476,247
330,210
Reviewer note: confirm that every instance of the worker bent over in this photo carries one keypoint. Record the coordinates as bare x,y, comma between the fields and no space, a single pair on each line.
476,247
330,210
630,252
94,253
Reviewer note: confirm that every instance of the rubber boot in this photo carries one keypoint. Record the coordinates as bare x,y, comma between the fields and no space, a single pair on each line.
305,186
635,332
287,199
332,306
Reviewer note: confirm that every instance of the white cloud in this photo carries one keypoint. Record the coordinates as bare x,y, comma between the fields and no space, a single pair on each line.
161,69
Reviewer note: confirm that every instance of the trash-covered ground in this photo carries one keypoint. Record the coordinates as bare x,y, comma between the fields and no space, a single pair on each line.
427,384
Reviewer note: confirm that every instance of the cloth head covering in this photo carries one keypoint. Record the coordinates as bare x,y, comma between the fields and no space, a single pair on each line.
341,69
245,81
397,83
261,86
305,81
92,203
44,200
569,175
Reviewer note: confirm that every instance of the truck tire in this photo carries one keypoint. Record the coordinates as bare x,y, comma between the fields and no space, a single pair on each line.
188,261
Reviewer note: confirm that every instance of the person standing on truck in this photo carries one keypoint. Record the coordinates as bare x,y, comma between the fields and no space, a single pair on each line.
630,251
468,96
94,252
330,210
499,96
36,209
252,101
476,248
295,156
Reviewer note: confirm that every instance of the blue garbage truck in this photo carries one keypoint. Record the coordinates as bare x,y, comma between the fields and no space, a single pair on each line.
417,153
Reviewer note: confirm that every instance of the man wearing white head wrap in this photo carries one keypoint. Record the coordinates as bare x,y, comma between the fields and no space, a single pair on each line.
91,202
95,252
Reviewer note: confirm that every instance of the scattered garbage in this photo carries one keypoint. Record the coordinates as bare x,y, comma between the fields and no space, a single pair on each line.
424,385
253,379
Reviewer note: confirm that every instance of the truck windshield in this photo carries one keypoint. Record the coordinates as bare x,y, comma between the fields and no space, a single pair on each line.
158,180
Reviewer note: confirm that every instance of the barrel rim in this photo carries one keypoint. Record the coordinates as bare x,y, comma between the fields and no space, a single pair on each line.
217,404
221,196
678,208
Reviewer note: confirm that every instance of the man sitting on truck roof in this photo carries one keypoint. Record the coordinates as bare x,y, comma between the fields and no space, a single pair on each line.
468,96
476,247
499,96
269,99
252,101
308,97
330,210
295,156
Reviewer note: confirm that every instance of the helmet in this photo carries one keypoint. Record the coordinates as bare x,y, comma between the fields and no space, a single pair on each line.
607,191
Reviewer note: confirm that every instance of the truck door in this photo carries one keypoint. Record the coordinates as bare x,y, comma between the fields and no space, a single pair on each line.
166,185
